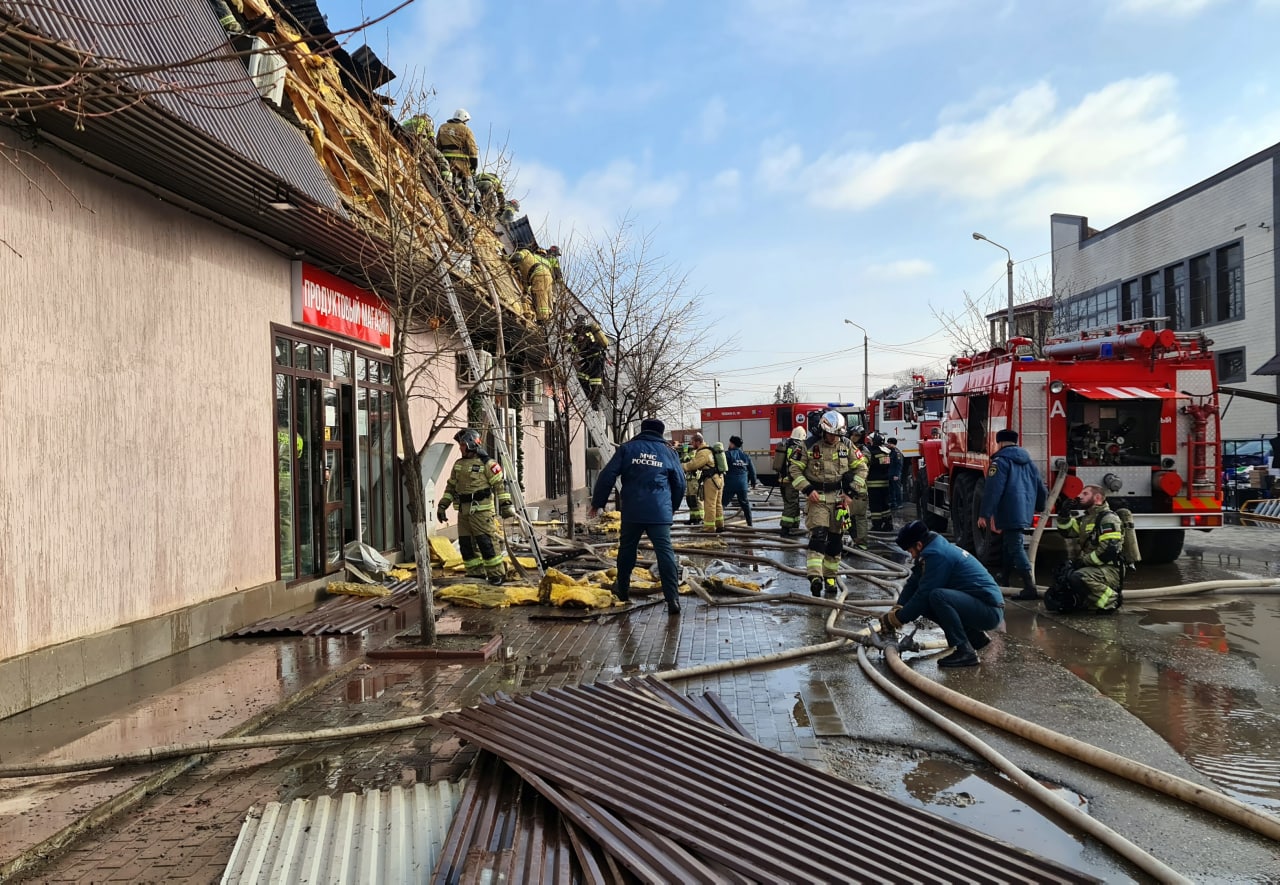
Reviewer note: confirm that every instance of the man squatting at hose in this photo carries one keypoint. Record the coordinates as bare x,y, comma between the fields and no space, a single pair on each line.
950,588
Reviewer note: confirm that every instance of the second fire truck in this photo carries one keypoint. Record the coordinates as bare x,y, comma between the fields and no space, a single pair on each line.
1135,412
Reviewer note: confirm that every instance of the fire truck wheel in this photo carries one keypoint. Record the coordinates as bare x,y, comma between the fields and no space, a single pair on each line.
1159,546
961,509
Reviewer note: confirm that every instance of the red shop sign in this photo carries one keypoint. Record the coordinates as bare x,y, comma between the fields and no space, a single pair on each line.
323,301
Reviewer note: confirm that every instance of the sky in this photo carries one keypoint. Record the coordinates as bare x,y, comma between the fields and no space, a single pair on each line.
808,162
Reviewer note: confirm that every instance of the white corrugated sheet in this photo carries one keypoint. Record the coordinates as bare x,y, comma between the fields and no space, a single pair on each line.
384,836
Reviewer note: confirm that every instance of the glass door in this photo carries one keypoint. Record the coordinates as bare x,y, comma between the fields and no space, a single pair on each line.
333,477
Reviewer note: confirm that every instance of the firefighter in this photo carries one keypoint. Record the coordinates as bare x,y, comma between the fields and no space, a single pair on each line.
1012,495
535,277
1095,574
701,470
791,450
831,474
474,486
490,197
591,344
693,492
858,509
458,146
879,460
553,261
508,213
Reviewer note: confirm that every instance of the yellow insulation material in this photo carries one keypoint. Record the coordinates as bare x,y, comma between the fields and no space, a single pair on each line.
730,581
489,596
443,553
349,588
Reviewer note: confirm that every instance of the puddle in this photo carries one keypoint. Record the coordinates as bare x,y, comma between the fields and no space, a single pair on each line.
980,799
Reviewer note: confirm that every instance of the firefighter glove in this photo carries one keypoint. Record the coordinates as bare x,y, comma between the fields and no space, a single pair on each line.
442,513
889,623
507,511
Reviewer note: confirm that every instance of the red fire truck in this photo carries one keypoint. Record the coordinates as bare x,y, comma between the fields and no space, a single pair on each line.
1132,411
762,429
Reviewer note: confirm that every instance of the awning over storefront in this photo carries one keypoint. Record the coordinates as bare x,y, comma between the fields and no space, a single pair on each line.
1125,393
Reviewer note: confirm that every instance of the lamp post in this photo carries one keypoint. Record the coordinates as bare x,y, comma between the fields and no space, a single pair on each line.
1008,332
715,392
795,397
866,392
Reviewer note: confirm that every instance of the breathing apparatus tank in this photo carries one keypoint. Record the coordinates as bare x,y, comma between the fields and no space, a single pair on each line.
722,461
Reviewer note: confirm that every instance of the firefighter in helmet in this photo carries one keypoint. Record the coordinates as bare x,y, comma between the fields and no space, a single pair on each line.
591,344
475,486
701,470
792,449
535,278
832,473
861,529
458,146
879,461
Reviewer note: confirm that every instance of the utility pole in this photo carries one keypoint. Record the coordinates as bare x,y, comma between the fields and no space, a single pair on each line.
1008,332
866,390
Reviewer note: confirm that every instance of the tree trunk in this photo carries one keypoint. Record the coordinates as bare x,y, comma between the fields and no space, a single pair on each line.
426,601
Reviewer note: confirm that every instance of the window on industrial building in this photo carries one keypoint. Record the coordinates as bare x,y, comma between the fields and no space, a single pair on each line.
1175,291
1231,365
1201,283
1230,294
1130,301
1153,295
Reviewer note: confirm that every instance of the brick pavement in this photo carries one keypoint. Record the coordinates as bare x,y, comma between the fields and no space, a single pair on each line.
187,831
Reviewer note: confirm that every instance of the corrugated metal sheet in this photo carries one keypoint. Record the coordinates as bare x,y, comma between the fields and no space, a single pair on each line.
215,95
346,614
674,798
378,836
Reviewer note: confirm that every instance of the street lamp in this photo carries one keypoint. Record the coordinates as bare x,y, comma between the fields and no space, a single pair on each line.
1008,332
795,397
866,392
715,392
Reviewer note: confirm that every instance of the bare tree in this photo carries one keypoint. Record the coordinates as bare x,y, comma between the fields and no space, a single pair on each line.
662,333
969,328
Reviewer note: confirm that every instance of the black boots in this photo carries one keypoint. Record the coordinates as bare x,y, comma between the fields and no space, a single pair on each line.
979,642
815,585
963,656
1028,592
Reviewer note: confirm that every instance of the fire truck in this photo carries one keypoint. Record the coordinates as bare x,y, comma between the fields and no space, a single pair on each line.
1134,411
908,414
762,429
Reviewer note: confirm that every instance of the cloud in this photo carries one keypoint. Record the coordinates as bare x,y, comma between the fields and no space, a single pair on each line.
721,193
711,121
442,42
808,32
905,269
595,202
1116,137
1168,8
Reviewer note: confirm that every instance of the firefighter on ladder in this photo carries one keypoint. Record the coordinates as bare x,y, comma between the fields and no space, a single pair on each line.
535,277
590,343
475,485
832,474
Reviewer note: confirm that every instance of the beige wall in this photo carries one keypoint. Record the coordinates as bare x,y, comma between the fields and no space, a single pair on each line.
135,394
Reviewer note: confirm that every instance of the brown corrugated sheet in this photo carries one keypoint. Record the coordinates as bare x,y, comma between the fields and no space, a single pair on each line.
343,614
670,796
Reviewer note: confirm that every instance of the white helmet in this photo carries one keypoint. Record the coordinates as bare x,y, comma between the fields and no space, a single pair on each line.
798,433
831,422
461,115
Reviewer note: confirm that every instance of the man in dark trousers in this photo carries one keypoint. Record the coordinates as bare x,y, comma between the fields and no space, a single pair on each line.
950,588
1013,494
652,486
741,474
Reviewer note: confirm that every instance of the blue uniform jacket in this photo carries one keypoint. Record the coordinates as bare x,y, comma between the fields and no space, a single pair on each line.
942,566
652,480
741,470
1014,491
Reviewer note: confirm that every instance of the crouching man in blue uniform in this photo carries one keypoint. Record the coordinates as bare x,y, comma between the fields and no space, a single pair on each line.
950,588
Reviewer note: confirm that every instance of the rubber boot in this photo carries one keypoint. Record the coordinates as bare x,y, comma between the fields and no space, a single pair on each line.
746,511
831,586
963,656
1028,593
815,585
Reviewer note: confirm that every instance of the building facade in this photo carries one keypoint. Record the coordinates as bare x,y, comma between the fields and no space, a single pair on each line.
1202,261
199,399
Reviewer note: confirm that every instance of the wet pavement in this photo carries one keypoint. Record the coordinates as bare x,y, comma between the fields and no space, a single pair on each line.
1188,685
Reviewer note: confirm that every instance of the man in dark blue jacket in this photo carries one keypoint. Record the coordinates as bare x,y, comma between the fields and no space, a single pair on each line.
652,486
1014,493
950,588
741,473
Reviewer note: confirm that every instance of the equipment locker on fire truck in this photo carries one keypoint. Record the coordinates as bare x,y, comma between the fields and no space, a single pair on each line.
1134,412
